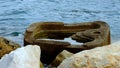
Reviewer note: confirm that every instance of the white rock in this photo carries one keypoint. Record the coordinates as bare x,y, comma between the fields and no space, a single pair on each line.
25,57
100,57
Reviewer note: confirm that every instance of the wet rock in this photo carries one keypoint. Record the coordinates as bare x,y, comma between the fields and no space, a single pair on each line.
60,57
24,57
100,57
7,46
91,34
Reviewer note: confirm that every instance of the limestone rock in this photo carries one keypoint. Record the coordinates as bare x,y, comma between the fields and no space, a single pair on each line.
60,57
7,46
100,57
25,57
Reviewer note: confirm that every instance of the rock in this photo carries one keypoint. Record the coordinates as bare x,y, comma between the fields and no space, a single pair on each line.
91,34
60,57
7,46
24,57
41,65
100,57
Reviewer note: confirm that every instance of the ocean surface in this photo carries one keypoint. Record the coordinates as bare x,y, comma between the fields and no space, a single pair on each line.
17,15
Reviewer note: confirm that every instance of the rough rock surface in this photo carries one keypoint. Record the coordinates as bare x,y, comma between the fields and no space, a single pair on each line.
25,57
7,46
41,65
60,57
100,57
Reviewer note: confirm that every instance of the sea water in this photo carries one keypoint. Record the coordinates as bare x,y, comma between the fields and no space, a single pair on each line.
17,15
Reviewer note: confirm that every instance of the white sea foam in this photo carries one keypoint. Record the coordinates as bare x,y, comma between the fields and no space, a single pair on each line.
72,42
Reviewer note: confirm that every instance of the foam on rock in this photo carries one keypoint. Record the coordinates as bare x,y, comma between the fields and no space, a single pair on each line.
24,57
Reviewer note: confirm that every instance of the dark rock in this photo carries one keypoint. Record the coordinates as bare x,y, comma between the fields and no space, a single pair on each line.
15,33
50,49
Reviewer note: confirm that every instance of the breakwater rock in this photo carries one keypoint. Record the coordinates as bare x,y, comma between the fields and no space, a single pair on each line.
60,57
6,46
24,57
100,57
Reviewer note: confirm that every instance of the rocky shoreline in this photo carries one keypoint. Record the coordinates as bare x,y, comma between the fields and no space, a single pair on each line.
38,52
29,57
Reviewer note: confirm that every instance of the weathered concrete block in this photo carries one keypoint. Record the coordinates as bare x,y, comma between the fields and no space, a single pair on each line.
91,34
94,37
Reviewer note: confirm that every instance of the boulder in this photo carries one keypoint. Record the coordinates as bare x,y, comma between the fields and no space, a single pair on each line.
41,65
24,57
60,57
7,46
100,57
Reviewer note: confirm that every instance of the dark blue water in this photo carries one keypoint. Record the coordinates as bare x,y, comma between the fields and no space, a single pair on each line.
16,15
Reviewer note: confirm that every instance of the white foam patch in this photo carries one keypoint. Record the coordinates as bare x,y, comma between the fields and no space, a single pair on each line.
72,42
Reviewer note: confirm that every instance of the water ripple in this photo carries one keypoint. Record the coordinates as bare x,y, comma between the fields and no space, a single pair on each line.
16,15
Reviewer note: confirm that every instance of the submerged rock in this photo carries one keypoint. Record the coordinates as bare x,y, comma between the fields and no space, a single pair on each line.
25,57
100,57
7,46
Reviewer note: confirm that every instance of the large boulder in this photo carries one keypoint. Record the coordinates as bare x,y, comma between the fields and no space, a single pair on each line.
7,46
25,57
100,57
